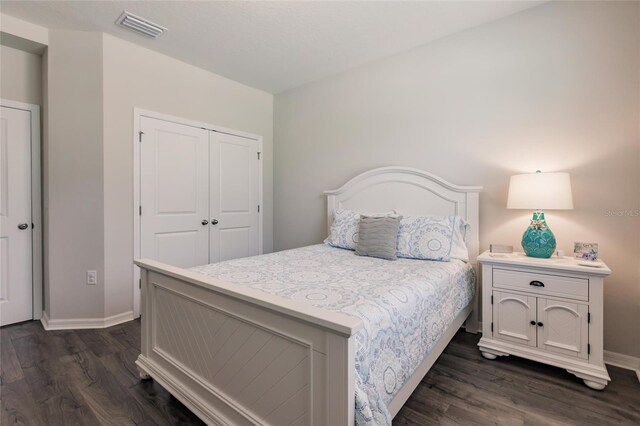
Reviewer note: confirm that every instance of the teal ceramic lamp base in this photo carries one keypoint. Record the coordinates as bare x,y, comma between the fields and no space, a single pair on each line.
538,240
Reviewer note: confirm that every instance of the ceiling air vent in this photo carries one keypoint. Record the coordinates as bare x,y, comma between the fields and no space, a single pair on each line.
140,25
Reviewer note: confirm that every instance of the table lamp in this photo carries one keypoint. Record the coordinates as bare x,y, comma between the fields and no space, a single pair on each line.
539,191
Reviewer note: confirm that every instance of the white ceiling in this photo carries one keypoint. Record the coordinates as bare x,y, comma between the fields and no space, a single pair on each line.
274,46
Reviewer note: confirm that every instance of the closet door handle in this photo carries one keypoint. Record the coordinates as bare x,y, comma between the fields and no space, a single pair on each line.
540,324
214,222
537,283
23,226
205,222
533,322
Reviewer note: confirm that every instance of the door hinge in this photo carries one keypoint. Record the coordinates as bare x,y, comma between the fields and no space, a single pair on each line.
140,210
492,299
492,327
140,133
258,155
258,208
588,317
588,348
139,282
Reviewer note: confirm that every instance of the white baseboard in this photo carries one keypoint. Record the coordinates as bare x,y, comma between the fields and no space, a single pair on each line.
623,361
611,358
83,323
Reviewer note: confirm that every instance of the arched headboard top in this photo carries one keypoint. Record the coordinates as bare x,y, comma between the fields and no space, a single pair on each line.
411,192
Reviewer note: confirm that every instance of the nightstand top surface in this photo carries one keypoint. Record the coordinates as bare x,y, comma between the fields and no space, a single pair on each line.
565,263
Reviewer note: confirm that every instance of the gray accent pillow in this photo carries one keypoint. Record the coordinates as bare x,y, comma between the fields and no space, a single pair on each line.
378,237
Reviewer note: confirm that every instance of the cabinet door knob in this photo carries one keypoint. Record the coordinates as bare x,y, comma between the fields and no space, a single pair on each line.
205,222
214,222
533,322
23,226
540,324
537,283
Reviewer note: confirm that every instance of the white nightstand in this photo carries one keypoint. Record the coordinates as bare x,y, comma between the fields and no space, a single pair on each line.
546,310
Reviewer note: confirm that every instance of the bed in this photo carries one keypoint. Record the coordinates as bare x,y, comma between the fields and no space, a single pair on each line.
287,338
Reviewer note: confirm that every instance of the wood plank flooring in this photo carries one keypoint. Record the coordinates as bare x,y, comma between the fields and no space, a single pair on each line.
88,377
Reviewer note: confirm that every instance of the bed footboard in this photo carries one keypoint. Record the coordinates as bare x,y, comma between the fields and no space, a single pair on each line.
242,357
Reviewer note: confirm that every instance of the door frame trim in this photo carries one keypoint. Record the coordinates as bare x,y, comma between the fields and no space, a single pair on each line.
138,113
36,204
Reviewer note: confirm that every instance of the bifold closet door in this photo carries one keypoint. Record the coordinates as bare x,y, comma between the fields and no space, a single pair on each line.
16,273
174,193
234,197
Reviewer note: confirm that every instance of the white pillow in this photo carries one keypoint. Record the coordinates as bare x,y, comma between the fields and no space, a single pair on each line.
459,248
433,238
344,229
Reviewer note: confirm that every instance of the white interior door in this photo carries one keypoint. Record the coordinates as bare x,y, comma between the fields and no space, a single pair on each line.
174,193
16,272
234,197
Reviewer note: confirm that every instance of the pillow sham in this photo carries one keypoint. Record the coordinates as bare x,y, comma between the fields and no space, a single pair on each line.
426,237
344,229
459,248
378,237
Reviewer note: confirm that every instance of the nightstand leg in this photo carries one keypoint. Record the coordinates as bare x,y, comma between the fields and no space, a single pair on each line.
592,381
594,385
143,374
488,355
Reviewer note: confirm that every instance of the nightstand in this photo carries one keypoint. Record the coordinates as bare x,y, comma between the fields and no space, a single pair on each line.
546,310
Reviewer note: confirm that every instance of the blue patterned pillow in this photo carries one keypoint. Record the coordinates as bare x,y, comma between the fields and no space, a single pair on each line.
344,229
426,237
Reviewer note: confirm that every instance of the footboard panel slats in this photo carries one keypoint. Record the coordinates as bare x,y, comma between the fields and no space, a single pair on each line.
207,342
234,362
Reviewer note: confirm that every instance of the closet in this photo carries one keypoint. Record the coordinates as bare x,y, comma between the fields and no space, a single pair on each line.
199,194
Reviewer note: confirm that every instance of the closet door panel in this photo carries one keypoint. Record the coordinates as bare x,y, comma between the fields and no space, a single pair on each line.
235,179
234,197
174,183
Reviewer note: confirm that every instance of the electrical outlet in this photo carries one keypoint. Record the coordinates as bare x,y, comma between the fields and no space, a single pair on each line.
92,277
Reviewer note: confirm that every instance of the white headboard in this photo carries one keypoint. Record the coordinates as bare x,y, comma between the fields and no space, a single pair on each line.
410,192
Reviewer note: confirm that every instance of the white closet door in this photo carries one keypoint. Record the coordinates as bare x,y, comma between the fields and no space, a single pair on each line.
16,284
174,187
234,197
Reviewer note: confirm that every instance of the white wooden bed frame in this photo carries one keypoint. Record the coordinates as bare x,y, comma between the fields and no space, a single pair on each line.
238,356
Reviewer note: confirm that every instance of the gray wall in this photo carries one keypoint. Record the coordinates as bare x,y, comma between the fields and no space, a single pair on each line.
73,175
20,76
138,77
93,82
554,88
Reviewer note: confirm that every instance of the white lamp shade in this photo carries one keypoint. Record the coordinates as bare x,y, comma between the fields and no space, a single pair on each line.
544,191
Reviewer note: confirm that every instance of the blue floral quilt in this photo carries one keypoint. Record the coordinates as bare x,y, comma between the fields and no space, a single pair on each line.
406,306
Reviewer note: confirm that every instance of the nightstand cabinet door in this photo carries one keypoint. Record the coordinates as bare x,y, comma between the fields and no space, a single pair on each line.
563,327
514,318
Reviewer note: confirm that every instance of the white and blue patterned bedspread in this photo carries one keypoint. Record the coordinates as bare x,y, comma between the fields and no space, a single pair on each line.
406,306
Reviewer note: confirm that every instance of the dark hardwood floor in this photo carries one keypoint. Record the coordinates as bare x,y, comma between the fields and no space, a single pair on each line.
88,377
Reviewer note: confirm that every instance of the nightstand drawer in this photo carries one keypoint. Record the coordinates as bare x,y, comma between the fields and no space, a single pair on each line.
536,283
